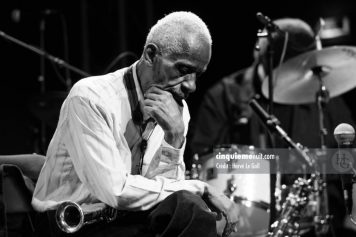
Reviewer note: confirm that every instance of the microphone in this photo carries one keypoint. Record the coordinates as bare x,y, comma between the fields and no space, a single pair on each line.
344,135
17,14
267,22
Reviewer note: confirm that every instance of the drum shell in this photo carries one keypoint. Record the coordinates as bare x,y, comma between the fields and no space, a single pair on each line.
252,192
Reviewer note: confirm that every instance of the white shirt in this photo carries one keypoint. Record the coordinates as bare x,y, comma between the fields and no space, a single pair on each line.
89,158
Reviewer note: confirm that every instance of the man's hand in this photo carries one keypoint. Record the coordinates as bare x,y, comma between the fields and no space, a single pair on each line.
220,203
162,107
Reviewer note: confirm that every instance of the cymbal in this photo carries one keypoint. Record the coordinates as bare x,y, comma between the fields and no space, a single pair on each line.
297,80
46,106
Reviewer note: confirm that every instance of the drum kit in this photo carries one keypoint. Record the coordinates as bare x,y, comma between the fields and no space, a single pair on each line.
300,80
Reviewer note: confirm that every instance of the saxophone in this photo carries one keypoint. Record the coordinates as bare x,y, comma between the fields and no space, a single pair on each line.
298,197
71,217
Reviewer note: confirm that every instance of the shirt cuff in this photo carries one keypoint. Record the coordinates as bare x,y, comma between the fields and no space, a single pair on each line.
171,153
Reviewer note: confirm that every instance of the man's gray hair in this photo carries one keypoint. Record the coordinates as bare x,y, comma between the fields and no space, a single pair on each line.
172,32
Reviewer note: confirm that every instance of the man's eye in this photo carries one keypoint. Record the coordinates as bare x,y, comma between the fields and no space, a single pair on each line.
184,70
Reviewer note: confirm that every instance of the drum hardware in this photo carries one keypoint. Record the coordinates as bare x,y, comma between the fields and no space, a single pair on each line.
249,203
230,187
304,192
196,167
287,224
194,172
278,189
70,217
322,95
322,217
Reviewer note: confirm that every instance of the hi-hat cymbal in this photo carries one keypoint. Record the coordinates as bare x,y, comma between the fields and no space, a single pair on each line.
296,80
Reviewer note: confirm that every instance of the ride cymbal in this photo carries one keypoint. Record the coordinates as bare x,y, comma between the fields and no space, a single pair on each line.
297,80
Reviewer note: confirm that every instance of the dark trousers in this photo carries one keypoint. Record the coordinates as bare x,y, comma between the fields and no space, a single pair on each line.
180,214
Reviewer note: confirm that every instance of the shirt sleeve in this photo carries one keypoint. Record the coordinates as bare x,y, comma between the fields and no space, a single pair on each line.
170,160
167,162
98,159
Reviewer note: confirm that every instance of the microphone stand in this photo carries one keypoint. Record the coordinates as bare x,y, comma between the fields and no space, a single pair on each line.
42,79
273,124
344,135
269,69
46,55
270,54
275,179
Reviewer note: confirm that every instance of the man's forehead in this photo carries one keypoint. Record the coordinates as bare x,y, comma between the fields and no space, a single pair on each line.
195,62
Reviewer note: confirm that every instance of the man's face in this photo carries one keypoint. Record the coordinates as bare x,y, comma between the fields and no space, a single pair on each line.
178,73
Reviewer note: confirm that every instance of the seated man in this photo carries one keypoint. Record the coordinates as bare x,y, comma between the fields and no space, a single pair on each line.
120,141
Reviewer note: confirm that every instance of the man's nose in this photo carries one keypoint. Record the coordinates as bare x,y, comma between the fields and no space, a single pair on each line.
189,85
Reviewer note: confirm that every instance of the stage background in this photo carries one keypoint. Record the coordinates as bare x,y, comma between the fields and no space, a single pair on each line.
99,31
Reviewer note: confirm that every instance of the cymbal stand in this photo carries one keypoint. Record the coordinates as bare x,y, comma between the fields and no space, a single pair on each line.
322,98
322,217
323,95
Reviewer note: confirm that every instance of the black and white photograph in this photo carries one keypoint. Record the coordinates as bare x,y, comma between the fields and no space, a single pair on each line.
153,118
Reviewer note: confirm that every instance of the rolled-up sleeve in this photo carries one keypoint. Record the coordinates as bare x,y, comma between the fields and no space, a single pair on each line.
99,161
170,161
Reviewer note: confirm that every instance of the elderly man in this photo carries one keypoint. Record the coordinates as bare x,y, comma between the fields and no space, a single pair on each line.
120,141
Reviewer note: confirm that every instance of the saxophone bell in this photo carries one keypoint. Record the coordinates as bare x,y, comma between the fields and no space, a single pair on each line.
70,217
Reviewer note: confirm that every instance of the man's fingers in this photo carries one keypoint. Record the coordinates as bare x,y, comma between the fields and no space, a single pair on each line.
152,103
154,113
155,90
153,96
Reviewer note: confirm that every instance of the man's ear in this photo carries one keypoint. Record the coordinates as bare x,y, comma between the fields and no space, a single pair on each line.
150,52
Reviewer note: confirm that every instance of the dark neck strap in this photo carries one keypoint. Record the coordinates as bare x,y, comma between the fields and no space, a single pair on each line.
129,82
